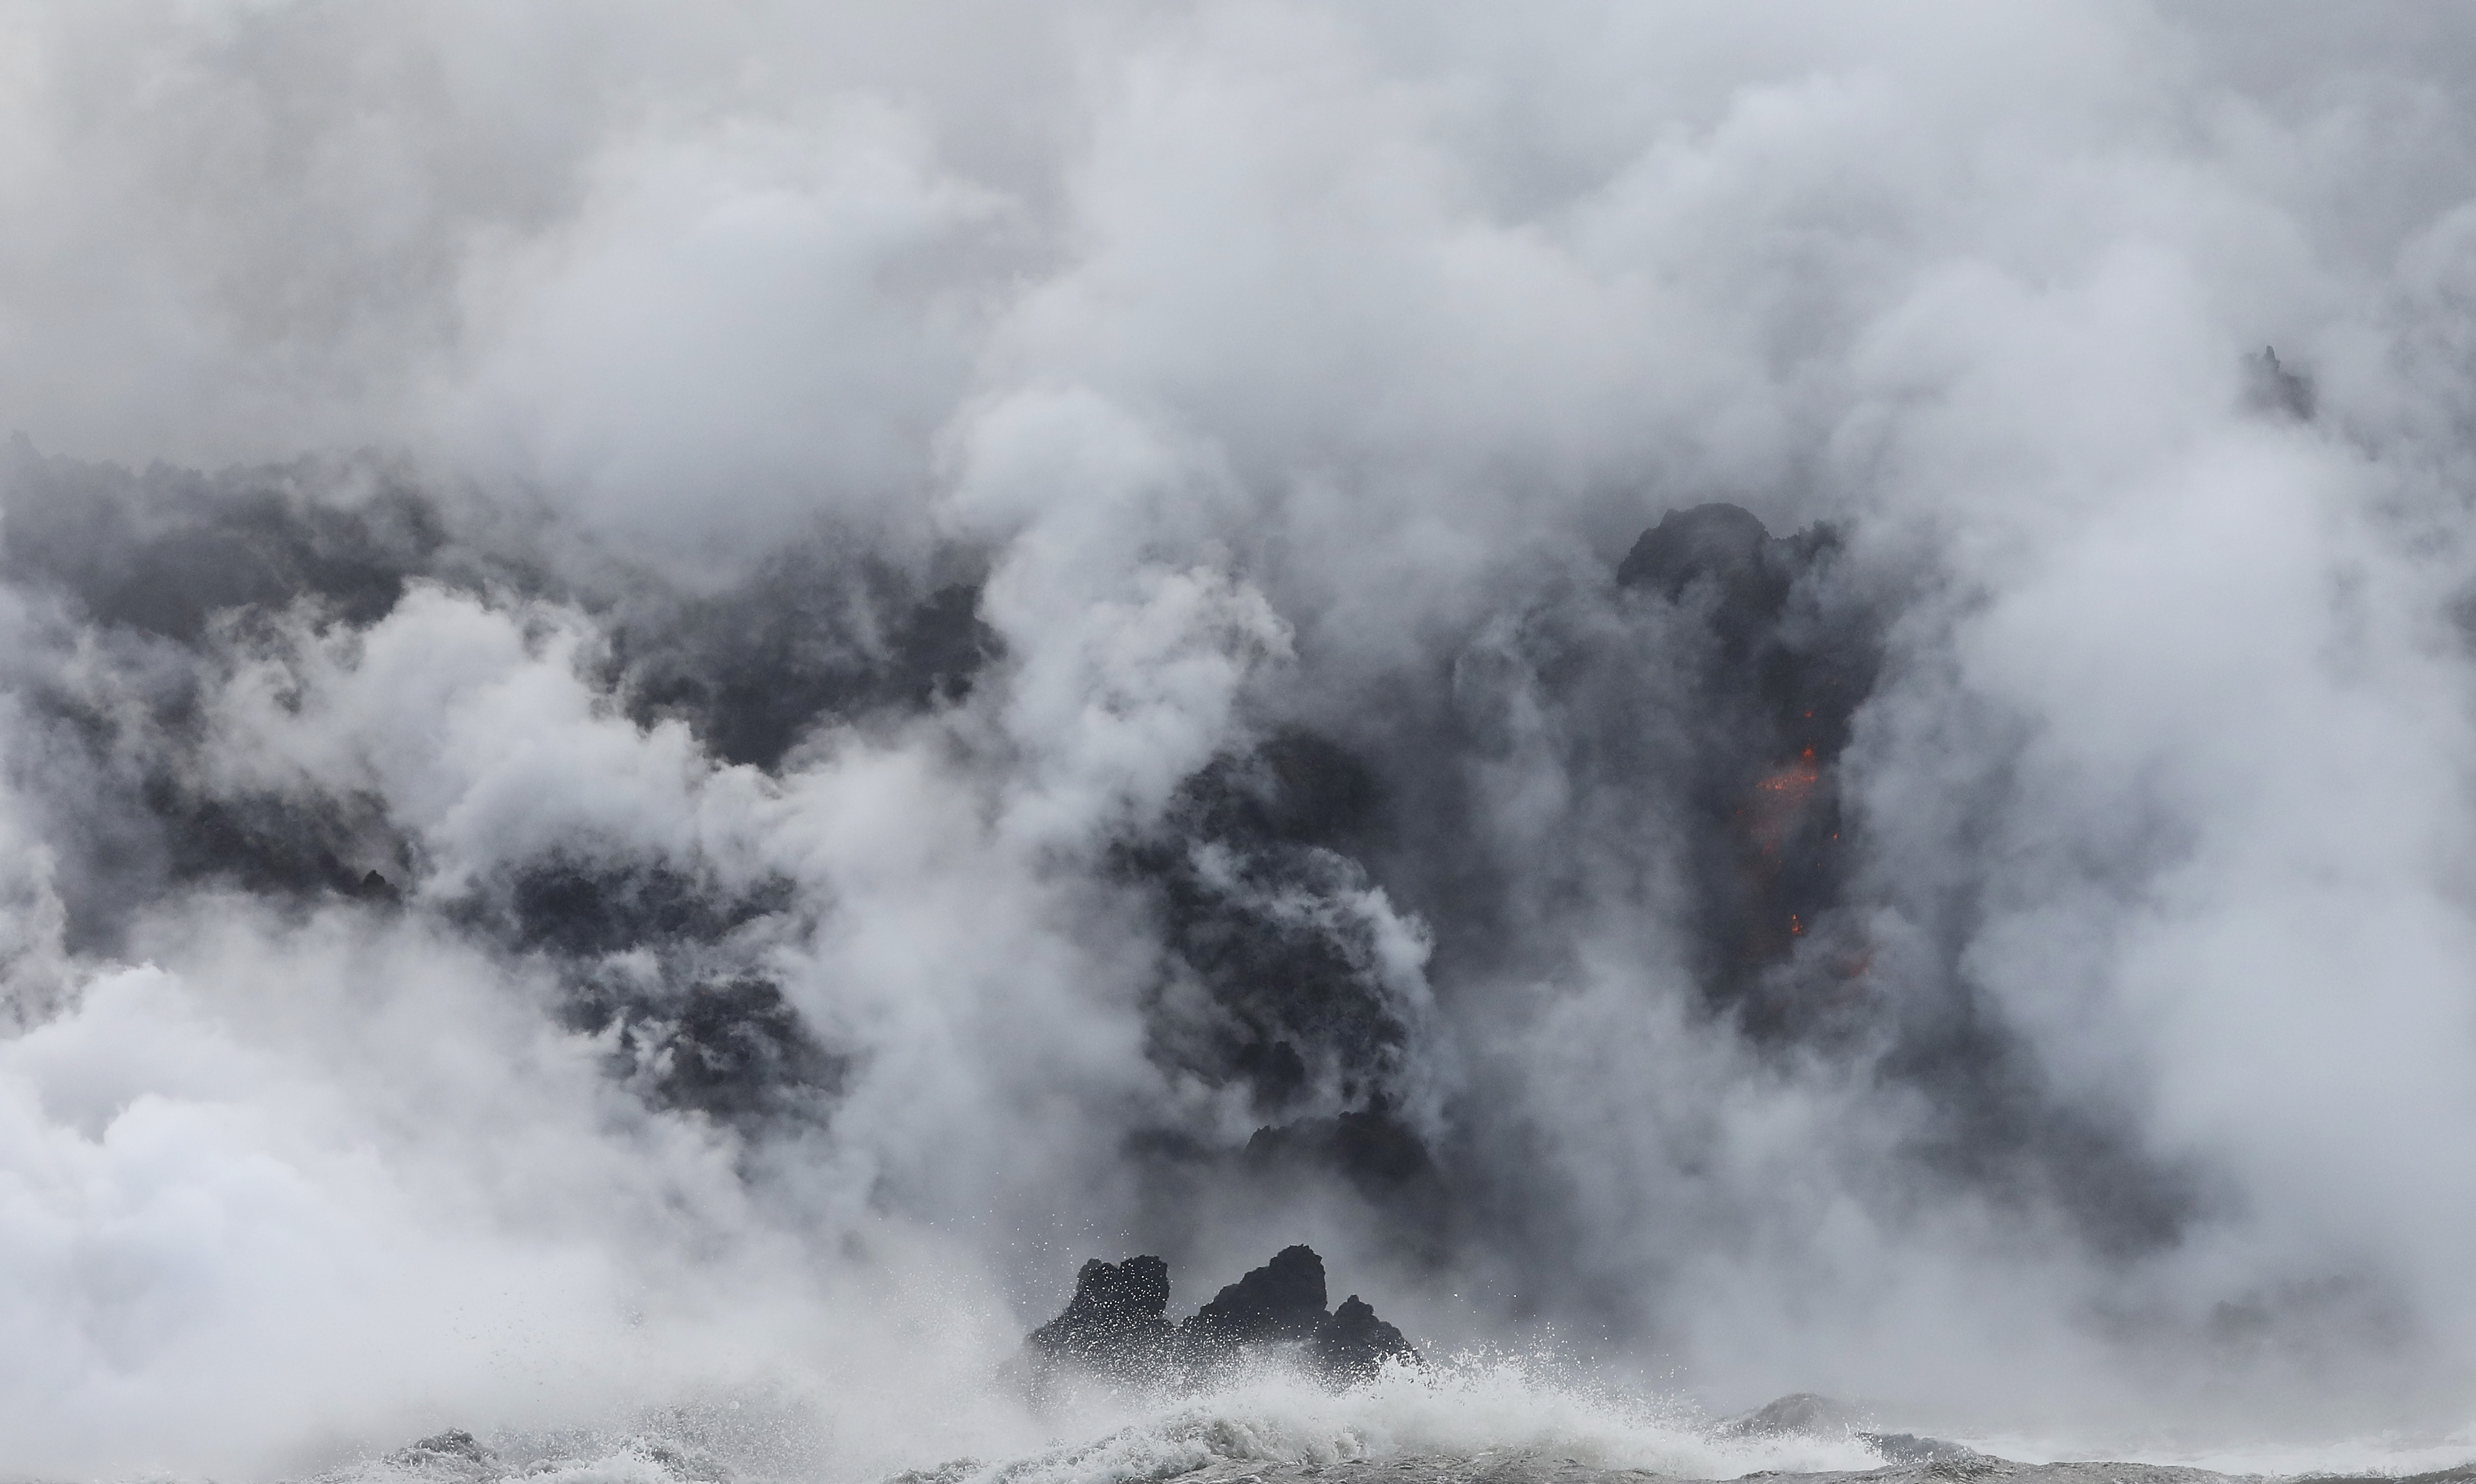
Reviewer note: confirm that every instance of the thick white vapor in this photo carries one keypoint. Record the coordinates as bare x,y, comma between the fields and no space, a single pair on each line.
1259,368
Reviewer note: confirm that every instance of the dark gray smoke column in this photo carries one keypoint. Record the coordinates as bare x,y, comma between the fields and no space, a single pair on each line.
685,699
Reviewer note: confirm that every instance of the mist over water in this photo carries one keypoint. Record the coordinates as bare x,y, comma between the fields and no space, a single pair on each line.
1739,699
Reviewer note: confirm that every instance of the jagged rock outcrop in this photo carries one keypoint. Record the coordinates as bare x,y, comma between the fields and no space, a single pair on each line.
1114,1330
1113,1325
1354,1344
1281,1300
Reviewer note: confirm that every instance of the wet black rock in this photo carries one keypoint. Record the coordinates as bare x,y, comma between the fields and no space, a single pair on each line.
1113,1328
1354,1344
1113,1325
1281,1300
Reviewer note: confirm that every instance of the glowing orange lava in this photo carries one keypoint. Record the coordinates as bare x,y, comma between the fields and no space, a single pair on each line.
1780,799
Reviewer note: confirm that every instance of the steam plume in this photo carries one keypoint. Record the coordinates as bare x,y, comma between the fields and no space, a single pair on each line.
689,700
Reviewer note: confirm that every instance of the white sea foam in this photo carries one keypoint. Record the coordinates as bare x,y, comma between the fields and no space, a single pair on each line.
1468,1406
2394,1454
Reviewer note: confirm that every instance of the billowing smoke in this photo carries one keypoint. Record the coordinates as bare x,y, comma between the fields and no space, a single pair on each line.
1779,696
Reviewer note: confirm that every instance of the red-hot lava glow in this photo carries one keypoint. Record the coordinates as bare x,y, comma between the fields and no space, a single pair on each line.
1780,799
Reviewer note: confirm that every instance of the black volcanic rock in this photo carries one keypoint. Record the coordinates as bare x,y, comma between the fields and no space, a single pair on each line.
1354,1342
1281,1300
1113,1325
1113,1328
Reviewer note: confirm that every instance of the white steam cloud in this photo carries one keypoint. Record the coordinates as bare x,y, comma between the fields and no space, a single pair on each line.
650,659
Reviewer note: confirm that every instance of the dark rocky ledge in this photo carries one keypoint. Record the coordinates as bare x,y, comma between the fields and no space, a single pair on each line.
1116,1329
